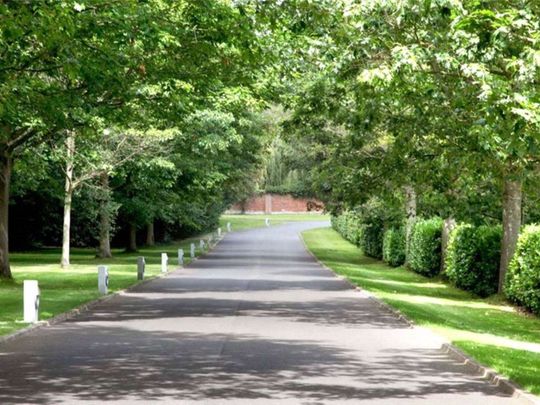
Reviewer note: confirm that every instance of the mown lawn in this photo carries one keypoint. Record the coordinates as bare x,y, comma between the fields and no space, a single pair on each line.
248,221
62,290
490,330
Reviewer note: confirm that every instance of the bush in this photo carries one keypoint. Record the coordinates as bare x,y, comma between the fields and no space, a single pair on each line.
472,259
425,247
394,247
348,225
522,284
371,239
364,227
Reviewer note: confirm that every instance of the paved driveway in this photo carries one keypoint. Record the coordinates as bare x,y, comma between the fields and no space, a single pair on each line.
257,321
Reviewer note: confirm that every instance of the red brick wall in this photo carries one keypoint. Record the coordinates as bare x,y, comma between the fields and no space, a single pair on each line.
255,204
276,203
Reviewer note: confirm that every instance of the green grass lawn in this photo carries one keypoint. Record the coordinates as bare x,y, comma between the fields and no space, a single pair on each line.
248,221
62,290
490,330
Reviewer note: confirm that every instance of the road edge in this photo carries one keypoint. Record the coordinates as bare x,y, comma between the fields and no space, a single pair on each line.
85,307
473,366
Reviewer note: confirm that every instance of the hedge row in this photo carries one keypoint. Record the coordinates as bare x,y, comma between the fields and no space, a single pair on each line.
367,236
348,225
522,284
424,256
472,257
394,247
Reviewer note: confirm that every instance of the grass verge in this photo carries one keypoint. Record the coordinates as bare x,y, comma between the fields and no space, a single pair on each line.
65,289
248,221
489,330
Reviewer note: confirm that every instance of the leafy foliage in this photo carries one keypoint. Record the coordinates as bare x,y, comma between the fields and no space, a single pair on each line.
364,227
394,246
472,258
348,225
425,247
523,277
371,239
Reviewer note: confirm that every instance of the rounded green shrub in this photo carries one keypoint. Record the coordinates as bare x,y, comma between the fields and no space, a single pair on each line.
371,239
348,225
362,227
522,284
425,247
394,247
472,259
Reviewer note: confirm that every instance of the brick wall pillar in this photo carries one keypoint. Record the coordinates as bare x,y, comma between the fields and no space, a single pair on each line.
268,203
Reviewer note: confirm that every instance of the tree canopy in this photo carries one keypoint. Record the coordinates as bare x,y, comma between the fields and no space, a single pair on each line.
160,114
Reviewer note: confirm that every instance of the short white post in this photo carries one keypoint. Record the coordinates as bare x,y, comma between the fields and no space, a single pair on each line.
103,280
31,301
180,257
267,222
141,264
219,232
228,226
192,251
201,245
164,263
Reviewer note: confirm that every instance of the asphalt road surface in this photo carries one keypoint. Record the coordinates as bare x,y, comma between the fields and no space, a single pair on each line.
257,321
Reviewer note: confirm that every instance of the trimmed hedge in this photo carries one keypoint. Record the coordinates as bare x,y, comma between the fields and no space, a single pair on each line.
371,239
394,247
472,259
425,247
522,284
348,225
368,236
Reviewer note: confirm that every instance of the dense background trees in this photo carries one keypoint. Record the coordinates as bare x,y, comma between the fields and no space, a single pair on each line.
120,116
148,119
432,105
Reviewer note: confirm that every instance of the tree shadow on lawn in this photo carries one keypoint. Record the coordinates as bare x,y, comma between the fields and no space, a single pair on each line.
75,363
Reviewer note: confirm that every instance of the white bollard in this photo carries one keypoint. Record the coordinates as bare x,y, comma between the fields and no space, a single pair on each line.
164,263
228,226
31,301
219,232
141,264
192,251
103,280
267,222
180,257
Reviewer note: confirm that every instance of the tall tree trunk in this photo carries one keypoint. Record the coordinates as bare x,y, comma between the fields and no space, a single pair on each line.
512,195
410,211
6,163
150,239
104,220
68,196
132,242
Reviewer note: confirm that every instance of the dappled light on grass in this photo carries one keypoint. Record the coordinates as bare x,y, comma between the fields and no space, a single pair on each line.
504,360
490,326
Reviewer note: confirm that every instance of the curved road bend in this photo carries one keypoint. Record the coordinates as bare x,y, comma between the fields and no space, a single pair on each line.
257,321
